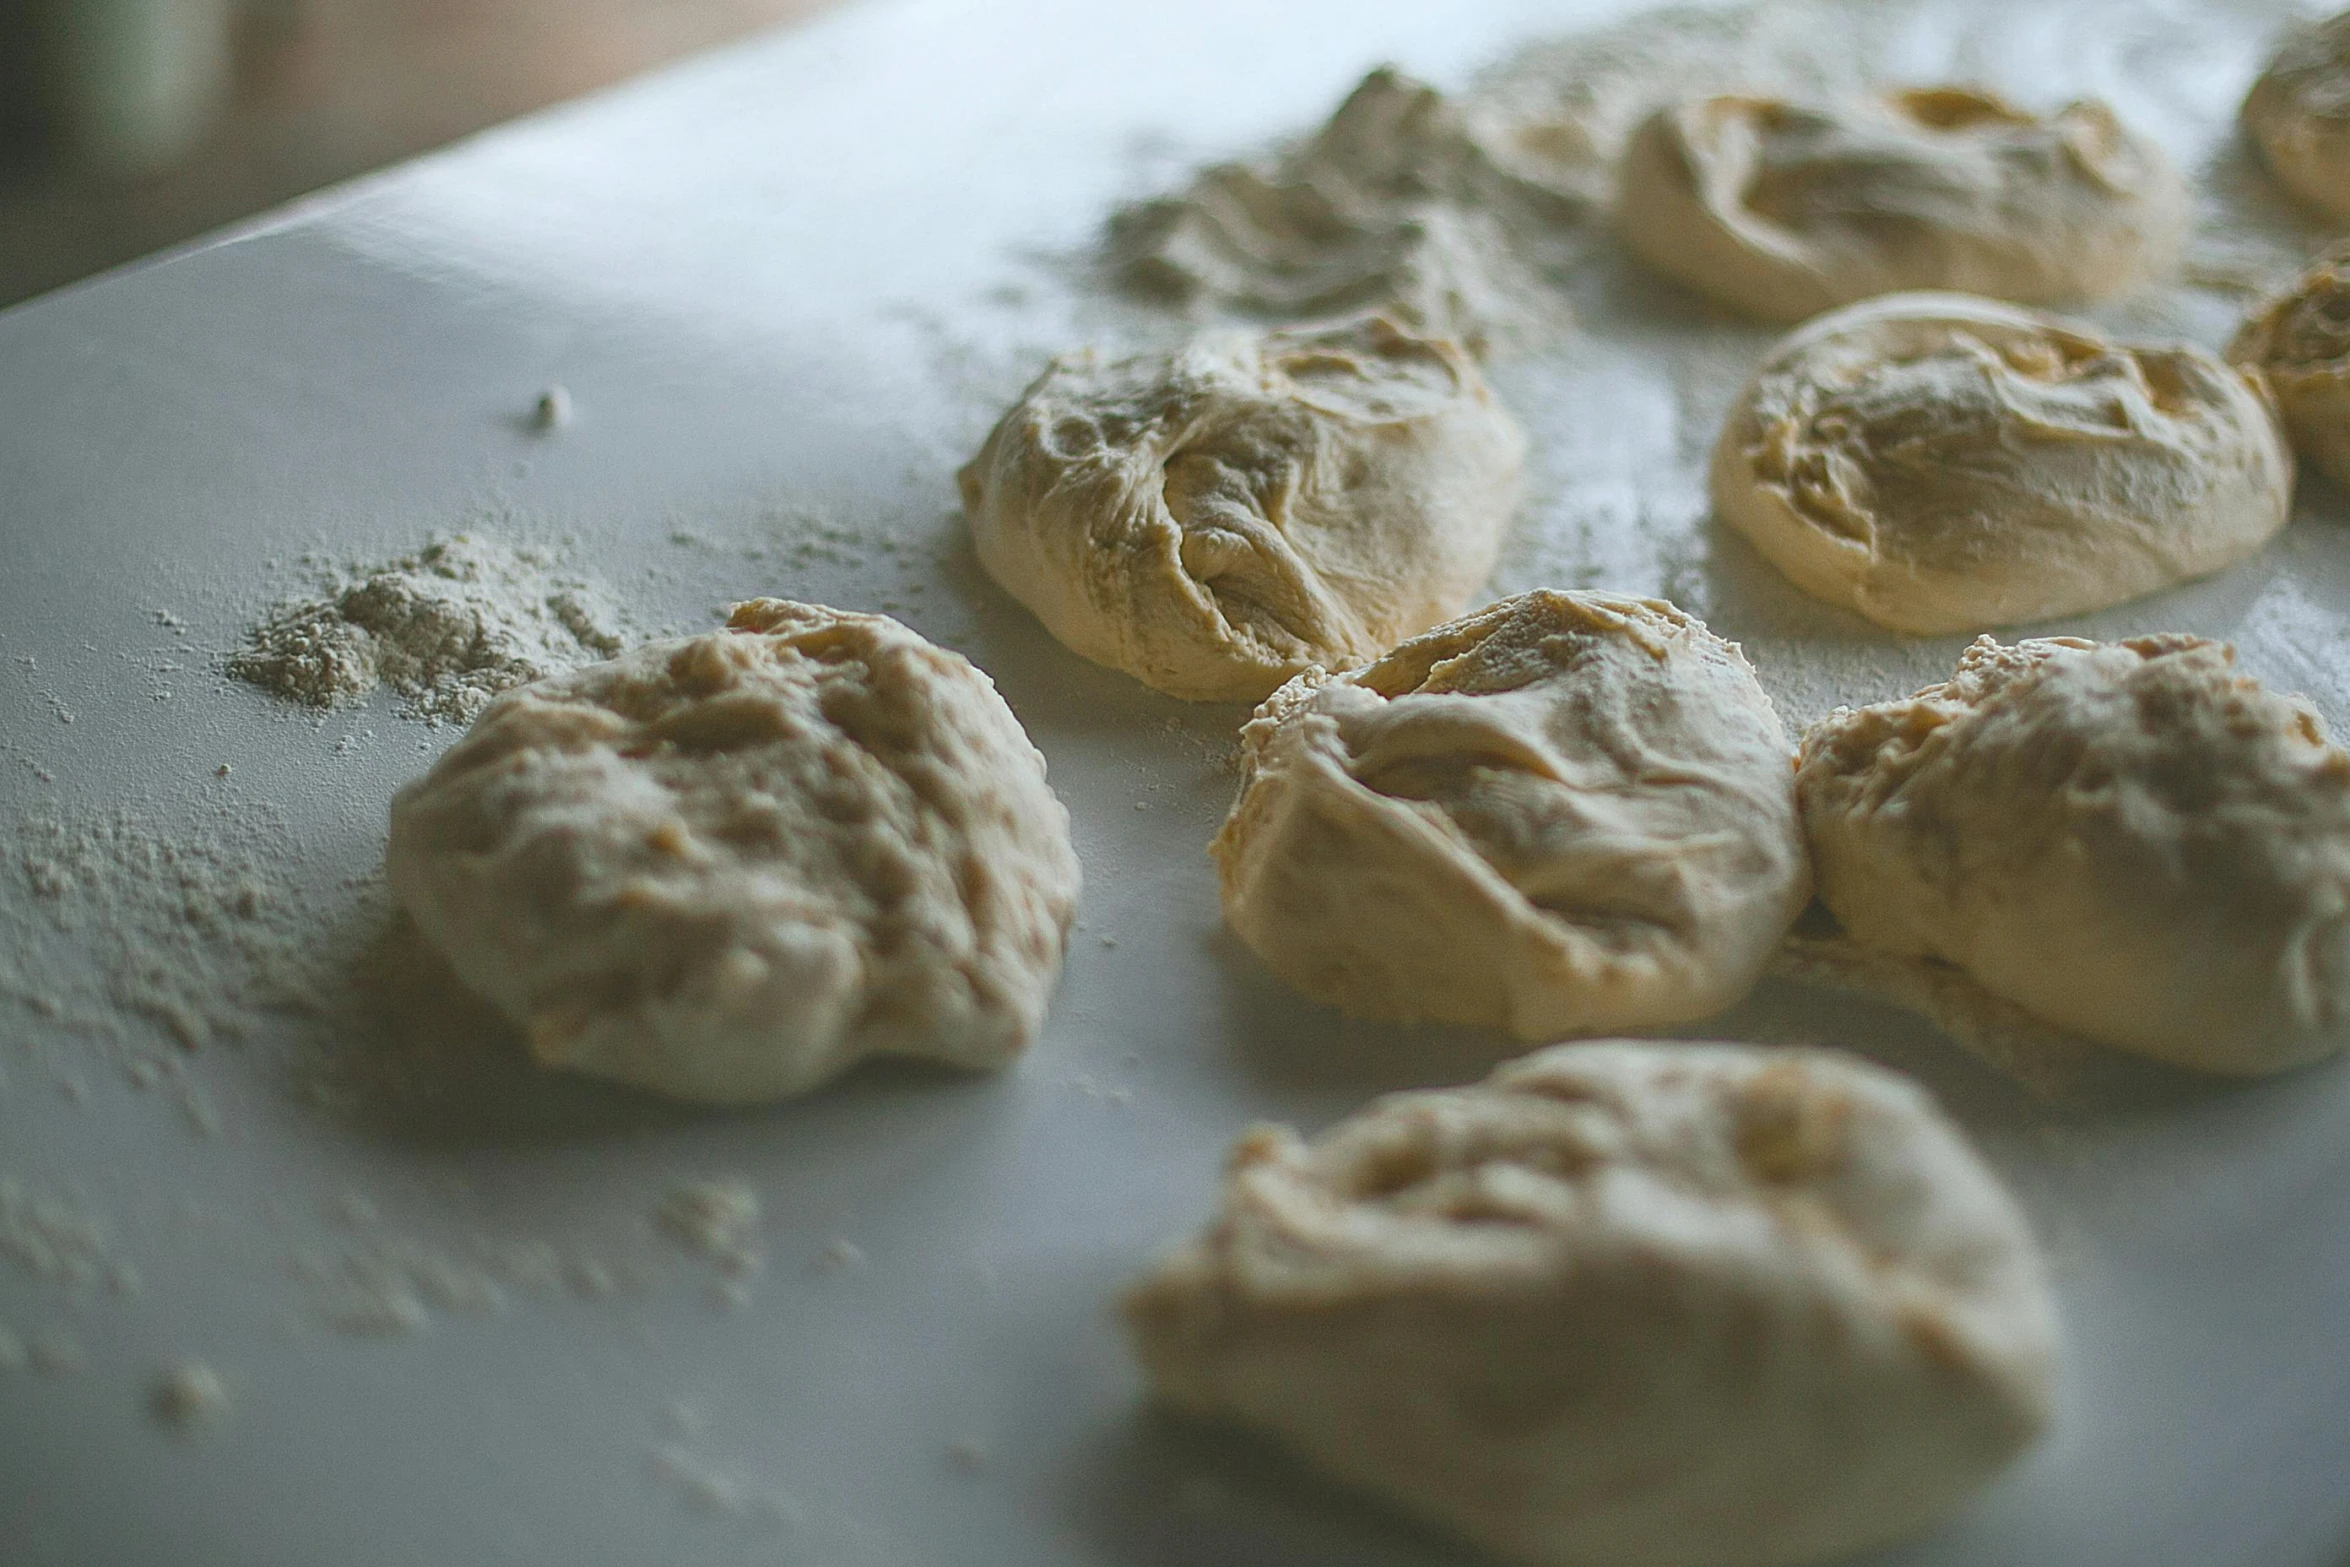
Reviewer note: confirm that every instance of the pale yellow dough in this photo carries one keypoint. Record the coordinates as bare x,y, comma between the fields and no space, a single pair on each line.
1939,463
1217,520
2131,841
1564,814
2298,115
1782,210
729,867
1624,1305
2299,344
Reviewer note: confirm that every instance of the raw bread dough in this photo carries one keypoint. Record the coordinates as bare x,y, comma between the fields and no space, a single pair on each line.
1944,463
2298,115
2129,840
1403,203
1783,210
1214,521
726,868
1564,814
2299,344
1624,1305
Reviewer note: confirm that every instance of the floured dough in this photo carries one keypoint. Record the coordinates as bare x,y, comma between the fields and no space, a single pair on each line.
1214,521
1566,813
1942,463
1403,203
2299,344
2129,840
726,868
1624,1305
1783,209
2298,115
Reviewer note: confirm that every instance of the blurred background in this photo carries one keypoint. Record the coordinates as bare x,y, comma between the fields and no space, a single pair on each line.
130,125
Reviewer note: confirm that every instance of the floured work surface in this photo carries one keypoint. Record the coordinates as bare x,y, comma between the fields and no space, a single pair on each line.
300,1262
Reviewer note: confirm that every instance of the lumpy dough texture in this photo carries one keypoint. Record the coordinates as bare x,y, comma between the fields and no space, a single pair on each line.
1624,1305
2131,841
2298,114
1565,814
1943,463
2299,343
1782,210
1215,521
727,868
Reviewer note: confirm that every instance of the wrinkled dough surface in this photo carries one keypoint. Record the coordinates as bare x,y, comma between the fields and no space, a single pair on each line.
1214,521
727,868
2131,841
1782,210
2299,343
1623,1305
2298,115
1942,463
1565,813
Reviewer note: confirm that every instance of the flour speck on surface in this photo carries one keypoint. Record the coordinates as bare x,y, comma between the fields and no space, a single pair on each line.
447,628
188,1397
717,1219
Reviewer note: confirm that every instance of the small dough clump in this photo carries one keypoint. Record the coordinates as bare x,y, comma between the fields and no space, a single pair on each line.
1783,210
1564,814
1624,1305
727,868
2130,841
1215,521
2299,344
1942,463
2298,115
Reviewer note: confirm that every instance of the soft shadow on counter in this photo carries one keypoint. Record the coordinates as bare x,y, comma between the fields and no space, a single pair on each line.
1159,1491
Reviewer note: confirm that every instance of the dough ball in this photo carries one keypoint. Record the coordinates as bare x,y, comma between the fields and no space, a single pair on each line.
1216,520
1782,210
1624,1305
1942,463
2299,344
2129,840
1564,814
2298,115
727,868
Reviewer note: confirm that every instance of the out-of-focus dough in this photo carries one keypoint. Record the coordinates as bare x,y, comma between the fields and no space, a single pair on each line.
1215,521
1943,463
2299,344
726,868
1564,814
1783,210
1405,203
2298,115
2130,840
1624,1305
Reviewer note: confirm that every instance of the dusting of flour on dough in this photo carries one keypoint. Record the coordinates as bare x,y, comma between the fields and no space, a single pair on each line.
448,628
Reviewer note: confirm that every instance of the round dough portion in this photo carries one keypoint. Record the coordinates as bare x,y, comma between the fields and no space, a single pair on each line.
2299,344
1215,521
2130,841
1565,814
1782,210
1942,463
1624,1305
2298,115
729,867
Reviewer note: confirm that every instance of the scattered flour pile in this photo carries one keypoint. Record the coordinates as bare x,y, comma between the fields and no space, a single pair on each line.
448,628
